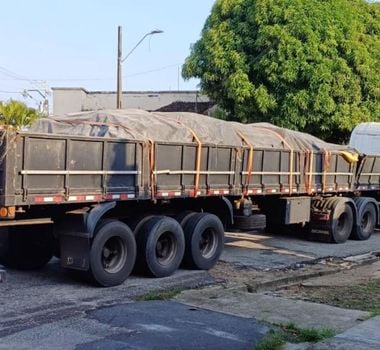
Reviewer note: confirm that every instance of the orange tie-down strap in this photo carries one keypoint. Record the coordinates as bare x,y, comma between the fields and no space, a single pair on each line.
326,167
198,160
199,152
250,163
309,172
152,165
291,160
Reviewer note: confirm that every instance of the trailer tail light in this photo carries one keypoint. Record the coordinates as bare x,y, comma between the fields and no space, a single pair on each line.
7,212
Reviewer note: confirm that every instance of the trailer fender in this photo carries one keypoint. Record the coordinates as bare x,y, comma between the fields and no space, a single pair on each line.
229,211
331,204
221,207
95,214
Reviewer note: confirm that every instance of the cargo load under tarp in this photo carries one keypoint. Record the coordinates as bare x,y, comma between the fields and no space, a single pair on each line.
366,139
135,124
132,154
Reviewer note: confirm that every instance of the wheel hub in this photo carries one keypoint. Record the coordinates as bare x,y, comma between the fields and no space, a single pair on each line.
208,243
114,255
165,248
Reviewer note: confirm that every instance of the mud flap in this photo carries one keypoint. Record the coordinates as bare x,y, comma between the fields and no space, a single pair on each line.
75,250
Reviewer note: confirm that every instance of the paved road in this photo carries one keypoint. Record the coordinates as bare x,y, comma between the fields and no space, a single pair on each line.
275,251
142,325
31,302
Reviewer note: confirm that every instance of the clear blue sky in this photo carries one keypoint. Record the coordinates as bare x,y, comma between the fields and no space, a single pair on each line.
74,43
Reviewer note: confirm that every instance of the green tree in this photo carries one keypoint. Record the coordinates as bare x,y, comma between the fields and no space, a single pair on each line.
17,114
309,65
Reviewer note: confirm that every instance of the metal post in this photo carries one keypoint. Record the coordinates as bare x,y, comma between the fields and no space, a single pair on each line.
119,72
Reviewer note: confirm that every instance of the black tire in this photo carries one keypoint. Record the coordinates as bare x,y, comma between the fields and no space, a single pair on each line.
204,235
139,222
366,223
28,247
252,222
112,254
184,216
340,226
160,246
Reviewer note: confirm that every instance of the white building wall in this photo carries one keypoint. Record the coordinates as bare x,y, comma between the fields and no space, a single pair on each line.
71,100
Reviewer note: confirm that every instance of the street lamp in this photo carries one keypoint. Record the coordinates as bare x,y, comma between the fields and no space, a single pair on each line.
120,60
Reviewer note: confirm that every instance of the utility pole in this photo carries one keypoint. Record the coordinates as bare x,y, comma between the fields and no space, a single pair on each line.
119,72
120,61
43,107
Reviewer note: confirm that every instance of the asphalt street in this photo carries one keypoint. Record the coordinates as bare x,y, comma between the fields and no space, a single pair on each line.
142,325
54,309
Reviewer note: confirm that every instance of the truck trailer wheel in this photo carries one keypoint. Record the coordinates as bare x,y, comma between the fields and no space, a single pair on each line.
184,216
341,224
26,248
160,246
366,223
204,236
112,254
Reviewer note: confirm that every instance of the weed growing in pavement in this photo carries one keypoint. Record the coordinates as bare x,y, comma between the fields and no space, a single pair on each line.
272,341
283,333
160,295
375,312
299,335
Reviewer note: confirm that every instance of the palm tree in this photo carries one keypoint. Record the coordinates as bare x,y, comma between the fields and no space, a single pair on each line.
17,114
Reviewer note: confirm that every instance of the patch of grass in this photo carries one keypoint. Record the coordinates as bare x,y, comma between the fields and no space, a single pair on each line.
284,333
299,335
272,341
375,312
160,295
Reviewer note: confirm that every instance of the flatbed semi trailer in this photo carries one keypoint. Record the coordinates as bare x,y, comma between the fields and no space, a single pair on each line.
114,191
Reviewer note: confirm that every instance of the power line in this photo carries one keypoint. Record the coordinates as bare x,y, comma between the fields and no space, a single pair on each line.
10,92
15,76
153,70
34,81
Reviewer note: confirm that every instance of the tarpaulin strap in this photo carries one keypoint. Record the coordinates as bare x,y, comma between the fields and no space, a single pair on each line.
198,160
326,167
306,166
152,164
291,160
250,162
311,160
199,151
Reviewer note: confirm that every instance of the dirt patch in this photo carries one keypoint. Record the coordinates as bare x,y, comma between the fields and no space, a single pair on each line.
358,288
258,280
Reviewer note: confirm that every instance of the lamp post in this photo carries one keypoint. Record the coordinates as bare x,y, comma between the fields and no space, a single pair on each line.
120,61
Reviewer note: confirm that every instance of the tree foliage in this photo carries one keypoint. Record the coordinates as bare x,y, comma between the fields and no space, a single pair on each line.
309,65
17,114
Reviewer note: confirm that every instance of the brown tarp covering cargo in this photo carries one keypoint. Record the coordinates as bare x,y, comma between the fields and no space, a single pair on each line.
178,127
192,154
